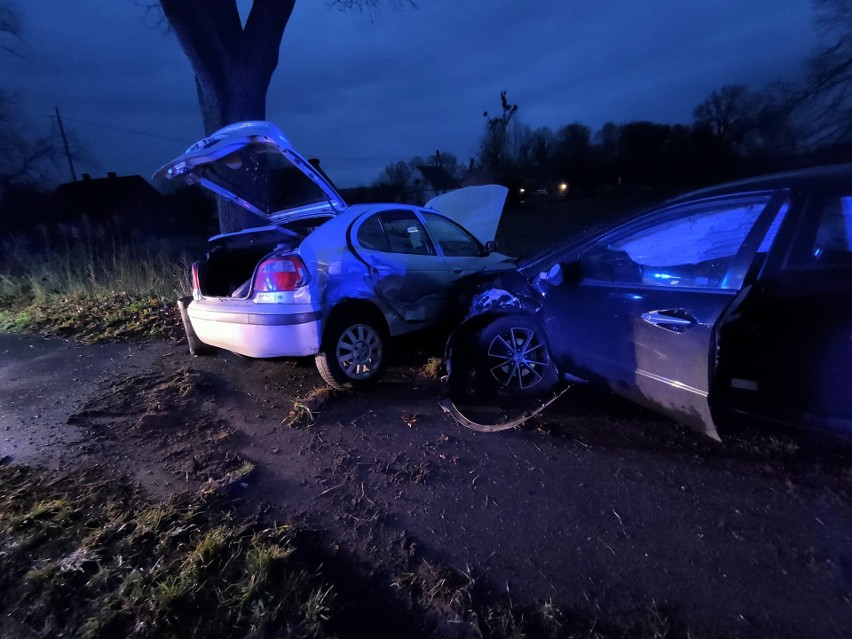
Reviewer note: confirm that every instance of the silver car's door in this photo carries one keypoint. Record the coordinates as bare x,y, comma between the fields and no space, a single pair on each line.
650,300
407,274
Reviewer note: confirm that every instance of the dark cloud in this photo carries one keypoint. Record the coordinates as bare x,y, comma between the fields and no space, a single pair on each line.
361,90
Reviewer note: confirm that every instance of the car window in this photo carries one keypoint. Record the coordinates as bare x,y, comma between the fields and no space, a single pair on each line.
371,235
832,242
453,240
395,232
695,248
261,175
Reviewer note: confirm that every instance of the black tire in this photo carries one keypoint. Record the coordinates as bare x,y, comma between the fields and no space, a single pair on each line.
512,356
196,346
353,355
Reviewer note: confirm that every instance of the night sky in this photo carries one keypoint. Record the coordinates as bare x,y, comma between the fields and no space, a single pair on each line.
360,90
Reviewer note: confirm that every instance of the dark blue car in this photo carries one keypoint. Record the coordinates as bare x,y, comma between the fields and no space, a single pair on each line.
731,300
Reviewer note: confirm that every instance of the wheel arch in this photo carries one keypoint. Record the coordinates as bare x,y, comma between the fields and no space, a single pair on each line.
355,307
459,351
469,327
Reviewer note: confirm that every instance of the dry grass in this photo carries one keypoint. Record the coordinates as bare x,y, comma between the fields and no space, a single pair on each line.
91,319
432,369
306,409
94,290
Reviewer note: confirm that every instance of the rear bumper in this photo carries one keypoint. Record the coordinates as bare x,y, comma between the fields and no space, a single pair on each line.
255,330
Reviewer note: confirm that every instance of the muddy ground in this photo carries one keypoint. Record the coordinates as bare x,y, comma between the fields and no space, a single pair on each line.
597,514
594,508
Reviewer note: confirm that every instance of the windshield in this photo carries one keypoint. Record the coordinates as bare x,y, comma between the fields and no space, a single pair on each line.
261,175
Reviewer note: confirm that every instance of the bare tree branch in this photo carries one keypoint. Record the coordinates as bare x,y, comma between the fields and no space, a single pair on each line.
823,103
10,25
369,5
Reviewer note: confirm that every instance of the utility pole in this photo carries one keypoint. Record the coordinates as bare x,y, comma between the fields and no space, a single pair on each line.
65,142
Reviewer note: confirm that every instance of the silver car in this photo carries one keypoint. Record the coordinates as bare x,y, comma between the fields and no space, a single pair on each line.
319,277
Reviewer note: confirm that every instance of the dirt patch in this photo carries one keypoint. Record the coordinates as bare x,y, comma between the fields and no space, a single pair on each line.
159,429
595,518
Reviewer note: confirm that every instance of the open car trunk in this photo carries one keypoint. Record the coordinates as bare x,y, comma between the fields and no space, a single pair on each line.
229,265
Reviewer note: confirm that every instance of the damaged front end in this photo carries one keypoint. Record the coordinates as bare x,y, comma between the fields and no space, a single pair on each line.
507,294
500,348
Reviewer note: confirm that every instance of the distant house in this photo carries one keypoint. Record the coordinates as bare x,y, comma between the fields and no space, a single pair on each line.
477,176
435,180
126,202
415,186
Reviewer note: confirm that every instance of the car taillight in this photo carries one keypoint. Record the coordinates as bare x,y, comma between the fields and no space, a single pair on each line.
280,274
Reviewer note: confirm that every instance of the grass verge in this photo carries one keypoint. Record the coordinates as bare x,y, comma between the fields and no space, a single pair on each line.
94,290
86,556
94,318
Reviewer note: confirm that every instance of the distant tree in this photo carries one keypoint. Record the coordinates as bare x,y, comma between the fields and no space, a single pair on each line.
517,152
774,133
824,102
574,152
233,63
642,152
494,153
22,161
396,174
606,149
730,114
10,27
541,149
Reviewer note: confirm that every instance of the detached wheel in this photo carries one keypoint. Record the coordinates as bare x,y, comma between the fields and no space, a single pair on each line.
196,346
353,354
512,356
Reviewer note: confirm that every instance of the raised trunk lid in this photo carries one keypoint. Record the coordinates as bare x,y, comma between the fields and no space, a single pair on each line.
254,165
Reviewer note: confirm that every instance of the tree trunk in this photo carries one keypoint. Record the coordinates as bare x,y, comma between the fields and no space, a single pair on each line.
233,65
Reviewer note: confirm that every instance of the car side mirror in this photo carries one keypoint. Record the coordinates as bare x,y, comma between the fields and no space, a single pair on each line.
490,247
553,276
562,273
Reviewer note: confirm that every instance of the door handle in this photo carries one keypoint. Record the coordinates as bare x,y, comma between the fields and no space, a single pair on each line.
457,269
675,320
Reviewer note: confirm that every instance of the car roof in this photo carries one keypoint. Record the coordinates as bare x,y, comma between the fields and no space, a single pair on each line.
829,176
835,175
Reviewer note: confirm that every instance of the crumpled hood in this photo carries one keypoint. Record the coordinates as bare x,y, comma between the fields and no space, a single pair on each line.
476,208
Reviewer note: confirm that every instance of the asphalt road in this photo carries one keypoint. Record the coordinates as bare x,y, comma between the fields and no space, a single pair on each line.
43,380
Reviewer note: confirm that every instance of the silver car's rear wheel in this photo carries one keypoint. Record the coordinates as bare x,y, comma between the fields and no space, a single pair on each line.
513,355
353,356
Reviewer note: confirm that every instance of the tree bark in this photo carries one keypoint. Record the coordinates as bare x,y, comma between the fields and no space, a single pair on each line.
233,64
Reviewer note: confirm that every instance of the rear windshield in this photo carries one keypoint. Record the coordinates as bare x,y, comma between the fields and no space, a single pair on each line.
261,175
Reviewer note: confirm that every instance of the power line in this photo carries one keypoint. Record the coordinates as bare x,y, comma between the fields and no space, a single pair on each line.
188,141
124,130
363,159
